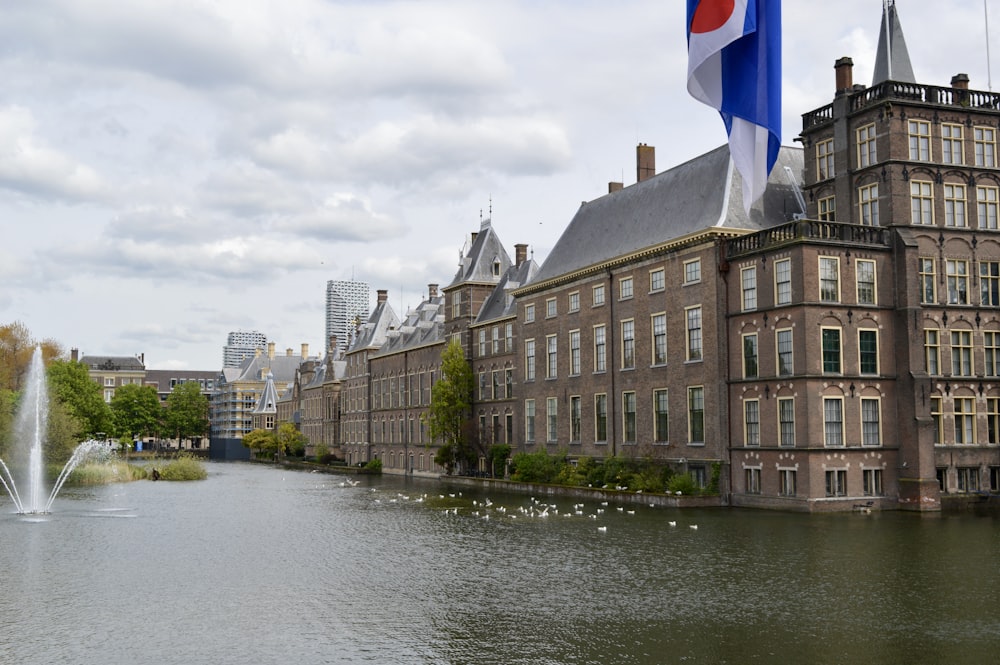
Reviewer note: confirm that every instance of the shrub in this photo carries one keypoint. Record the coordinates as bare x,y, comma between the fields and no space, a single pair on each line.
683,483
374,465
537,467
321,451
184,467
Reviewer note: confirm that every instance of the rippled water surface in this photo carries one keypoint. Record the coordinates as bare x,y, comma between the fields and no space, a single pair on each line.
261,565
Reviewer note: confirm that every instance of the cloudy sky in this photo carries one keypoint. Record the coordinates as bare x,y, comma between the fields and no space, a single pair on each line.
174,170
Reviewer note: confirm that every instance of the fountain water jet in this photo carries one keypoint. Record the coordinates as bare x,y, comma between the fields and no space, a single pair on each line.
32,421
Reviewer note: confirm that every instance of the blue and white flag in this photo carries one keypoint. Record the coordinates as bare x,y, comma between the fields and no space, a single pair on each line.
734,65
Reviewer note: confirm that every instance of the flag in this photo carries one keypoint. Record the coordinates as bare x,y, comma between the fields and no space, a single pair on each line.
734,66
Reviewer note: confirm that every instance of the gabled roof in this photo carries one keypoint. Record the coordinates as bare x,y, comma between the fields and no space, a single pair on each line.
477,264
501,302
281,367
892,60
423,325
699,195
268,402
113,363
371,334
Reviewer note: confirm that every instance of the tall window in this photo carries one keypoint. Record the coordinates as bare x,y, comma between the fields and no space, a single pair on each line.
965,420
993,420
600,417
748,281
598,295
783,282
574,418
921,202
991,350
750,356
833,421
657,280
783,342
508,337
482,343
872,482
836,482
932,351
826,209
831,350
951,144
496,385
786,421
529,313
985,140
989,283
928,280
829,279
786,482
574,352
954,206
938,420
529,420
661,430
529,360
625,287
753,480
551,356
508,379
600,349
573,304
550,308
864,271
868,351
551,419
961,353
456,304
957,273
658,322
868,204
628,344
495,339
692,271
871,428
986,199
824,159
696,415
866,146
751,422
693,316
920,140
628,417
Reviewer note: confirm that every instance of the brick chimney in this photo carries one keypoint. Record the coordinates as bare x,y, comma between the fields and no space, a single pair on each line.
520,253
615,187
74,354
305,351
381,295
645,162
432,290
960,81
270,350
844,69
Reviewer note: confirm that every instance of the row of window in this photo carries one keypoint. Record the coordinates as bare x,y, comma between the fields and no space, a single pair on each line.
958,281
836,482
962,352
829,284
955,205
391,392
629,434
869,426
496,384
658,336
960,426
919,147
496,344
626,290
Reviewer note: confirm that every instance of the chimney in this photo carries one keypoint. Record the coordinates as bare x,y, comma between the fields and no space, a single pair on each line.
845,75
270,350
615,187
520,253
381,295
645,162
960,81
305,351
256,352
332,348
74,354
432,290
288,352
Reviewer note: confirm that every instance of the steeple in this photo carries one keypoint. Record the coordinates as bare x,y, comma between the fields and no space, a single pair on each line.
892,61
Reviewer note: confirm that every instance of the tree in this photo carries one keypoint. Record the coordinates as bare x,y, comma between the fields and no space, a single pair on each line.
450,409
137,411
261,440
71,385
16,349
290,440
187,411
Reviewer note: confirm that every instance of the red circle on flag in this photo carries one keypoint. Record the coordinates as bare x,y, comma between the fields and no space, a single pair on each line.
711,15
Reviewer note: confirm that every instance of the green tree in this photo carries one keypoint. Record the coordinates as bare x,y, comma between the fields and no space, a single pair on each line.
7,404
71,385
64,433
290,440
187,411
137,411
16,349
450,409
261,440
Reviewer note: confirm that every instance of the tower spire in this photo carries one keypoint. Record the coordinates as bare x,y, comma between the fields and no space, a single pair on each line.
892,60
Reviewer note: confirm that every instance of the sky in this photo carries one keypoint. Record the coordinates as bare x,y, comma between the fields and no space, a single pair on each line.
173,171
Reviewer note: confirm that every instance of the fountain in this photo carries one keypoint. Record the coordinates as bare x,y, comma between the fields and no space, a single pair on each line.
30,429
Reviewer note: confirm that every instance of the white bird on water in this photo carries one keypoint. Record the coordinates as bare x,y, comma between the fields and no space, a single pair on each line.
672,523
602,529
694,526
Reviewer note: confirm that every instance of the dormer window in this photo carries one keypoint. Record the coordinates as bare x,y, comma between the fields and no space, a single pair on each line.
496,267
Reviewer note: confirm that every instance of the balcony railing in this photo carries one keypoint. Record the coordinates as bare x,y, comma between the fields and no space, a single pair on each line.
808,230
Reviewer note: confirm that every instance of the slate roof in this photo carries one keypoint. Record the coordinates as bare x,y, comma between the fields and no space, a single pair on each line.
476,264
281,367
113,363
700,194
268,402
896,53
501,302
371,334
423,325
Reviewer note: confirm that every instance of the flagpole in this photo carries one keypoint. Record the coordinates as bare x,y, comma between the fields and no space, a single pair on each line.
986,22
888,40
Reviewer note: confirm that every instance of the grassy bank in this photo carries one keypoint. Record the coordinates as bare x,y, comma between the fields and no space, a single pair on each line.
117,471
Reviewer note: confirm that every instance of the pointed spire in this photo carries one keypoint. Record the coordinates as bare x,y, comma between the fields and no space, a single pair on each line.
892,60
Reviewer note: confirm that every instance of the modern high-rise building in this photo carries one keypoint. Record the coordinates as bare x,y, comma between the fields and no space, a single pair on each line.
346,307
240,345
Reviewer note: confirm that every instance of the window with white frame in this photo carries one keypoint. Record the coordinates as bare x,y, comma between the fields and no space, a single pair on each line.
751,422
985,146
694,340
833,422
573,304
954,206
786,482
868,351
920,140
965,420
508,337
657,280
928,280
921,202
952,138
989,283
574,418
987,207
786,422
932,351
783,347
991,351
550,307
696,414
529,420
957,274
551,357
937,417
750,356
495,339
692,271
574,352
628,344
598,295
783,281
826,209
748,285
551,419
658,325
625,288
872,480
864,272
753,480
836,482
824,159
600,418
961,353
628,417
529,360
968,478
830,345
529,313
871,423
867,154
868,204
661,422
829,279
482,342
600,349
993,420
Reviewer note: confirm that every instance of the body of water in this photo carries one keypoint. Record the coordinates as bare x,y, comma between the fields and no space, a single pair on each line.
263,565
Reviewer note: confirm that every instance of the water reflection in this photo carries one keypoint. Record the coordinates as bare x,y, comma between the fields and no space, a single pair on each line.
266,566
